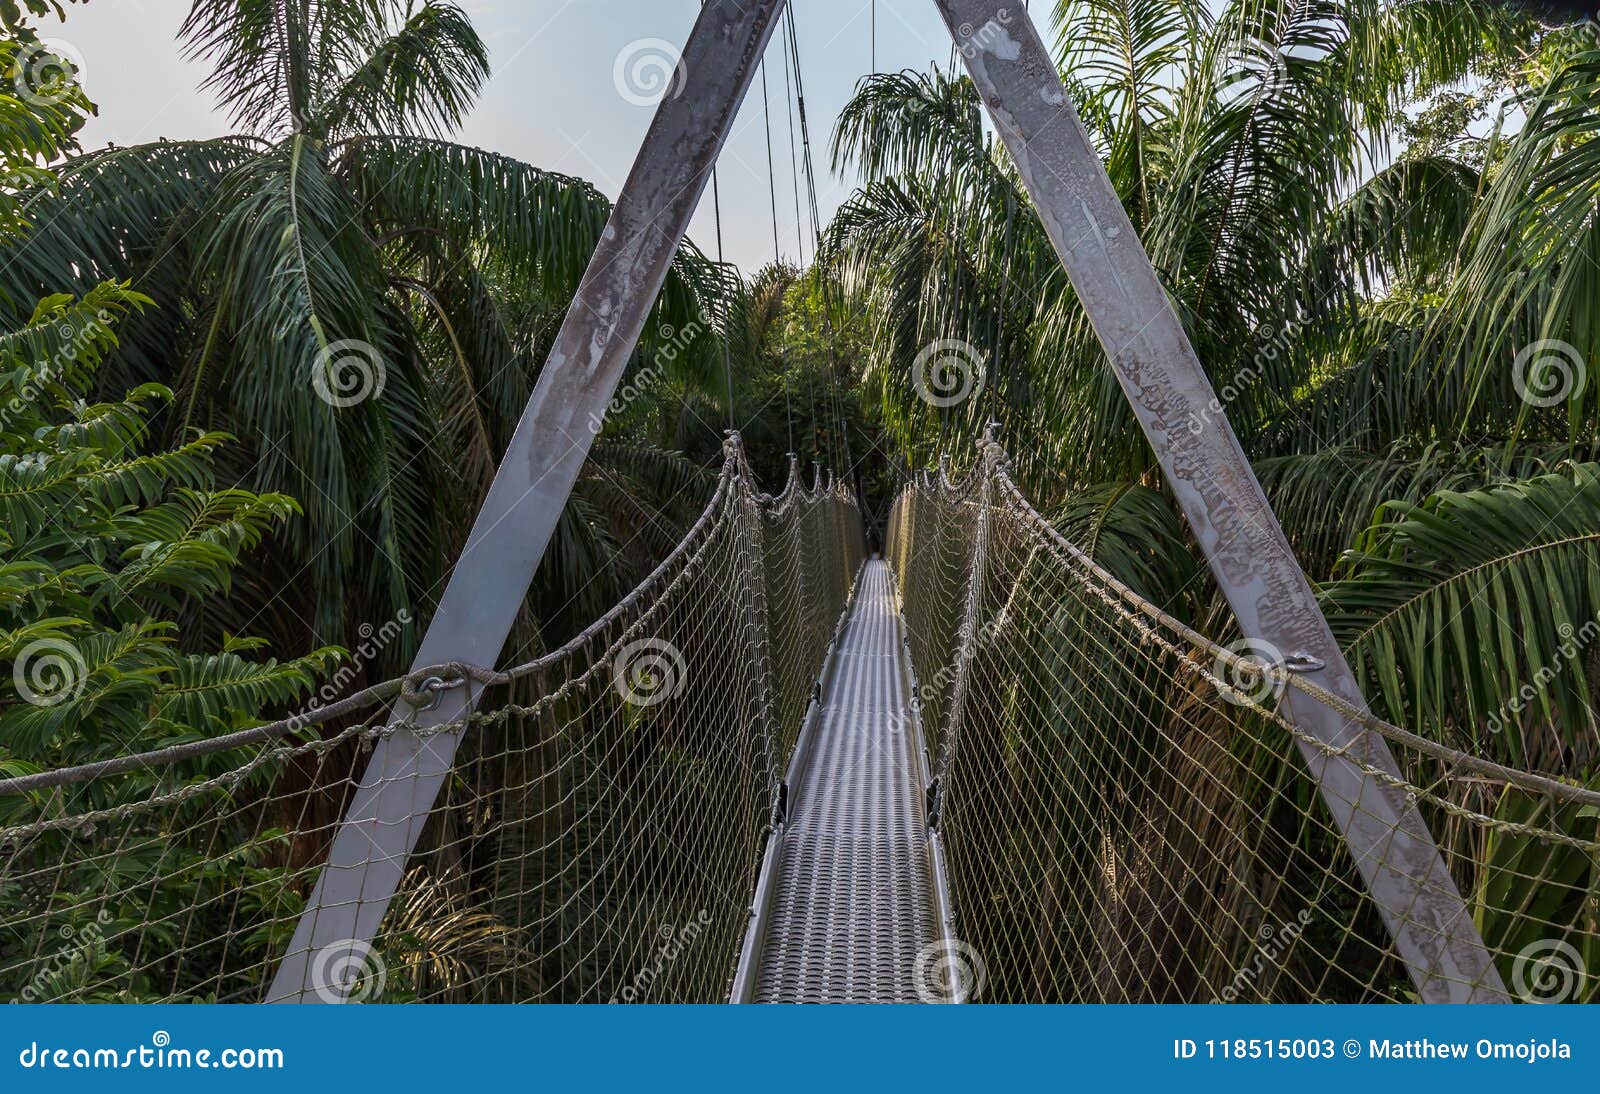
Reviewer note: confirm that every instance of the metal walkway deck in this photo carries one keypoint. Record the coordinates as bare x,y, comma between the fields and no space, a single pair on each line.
851,902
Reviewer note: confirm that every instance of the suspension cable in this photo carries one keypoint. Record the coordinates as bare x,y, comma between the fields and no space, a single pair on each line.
794,162
777,254
816,229
727,313
799,232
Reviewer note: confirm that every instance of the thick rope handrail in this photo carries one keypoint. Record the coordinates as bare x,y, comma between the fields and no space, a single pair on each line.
414,688
227,780
1126,597
633,778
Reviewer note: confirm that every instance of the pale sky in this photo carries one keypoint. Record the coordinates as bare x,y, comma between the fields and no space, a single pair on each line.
552,100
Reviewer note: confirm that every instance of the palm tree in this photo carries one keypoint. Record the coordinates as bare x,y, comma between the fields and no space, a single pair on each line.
364,303
1358,308
1392,291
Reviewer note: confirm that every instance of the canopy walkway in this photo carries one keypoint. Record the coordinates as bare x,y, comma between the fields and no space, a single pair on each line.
852,892
978,769
723,790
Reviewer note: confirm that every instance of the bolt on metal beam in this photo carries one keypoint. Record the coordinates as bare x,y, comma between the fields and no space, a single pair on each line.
402,780
1243,543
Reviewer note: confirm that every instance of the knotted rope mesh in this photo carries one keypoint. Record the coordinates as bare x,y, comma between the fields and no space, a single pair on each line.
1128,817
1126,814
598,838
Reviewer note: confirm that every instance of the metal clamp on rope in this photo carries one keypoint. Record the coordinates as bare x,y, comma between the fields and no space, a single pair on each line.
1302,662
434,686
427,693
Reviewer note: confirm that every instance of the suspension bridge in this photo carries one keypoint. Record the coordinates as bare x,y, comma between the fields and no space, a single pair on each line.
975,768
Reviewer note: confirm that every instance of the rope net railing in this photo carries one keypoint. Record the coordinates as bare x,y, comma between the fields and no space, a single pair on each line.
598,838
1128,818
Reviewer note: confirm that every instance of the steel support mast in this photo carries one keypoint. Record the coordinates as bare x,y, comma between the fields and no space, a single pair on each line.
1226,508
403,778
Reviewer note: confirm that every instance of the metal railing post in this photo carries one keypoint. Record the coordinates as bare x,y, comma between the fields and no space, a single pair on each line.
1226,508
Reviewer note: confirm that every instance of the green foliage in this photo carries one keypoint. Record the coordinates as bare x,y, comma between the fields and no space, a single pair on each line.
106,545
1518,918
1132,531
339,240
41,110
1368,217
1367,331
109,544
14,16
1477,614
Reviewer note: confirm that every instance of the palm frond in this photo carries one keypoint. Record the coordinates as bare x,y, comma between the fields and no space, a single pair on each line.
1453,608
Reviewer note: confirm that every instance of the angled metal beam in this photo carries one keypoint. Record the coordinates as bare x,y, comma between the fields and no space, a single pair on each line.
403,778
1208,471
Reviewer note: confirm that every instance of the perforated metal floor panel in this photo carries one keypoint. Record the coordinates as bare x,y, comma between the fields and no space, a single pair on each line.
852,901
